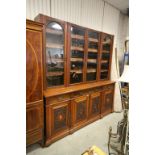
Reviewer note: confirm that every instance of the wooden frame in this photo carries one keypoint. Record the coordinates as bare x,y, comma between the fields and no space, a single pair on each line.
67,46
46,20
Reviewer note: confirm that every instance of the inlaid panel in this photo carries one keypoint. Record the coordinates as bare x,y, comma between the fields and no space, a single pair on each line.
34,82
34,116
57,118
33,65
79,110
60,118
95,103
107,102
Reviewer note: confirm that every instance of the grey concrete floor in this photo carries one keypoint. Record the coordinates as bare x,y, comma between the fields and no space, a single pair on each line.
76,143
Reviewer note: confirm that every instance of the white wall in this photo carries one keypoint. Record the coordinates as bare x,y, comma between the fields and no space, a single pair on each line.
95,14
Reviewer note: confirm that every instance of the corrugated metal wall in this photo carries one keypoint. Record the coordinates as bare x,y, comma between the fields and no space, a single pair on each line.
34,7
95,14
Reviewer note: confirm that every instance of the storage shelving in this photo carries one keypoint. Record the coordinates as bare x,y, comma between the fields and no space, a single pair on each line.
92,55
77,44
77,86
106,48
75,54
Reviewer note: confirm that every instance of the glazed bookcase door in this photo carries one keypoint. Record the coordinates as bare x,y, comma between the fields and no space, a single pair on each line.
58,119
55,55
107,102
95,105
106,43
79,110
92,56
77,44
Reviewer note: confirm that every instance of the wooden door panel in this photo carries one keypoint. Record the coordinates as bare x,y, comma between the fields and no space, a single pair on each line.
95,104
33,65
57,118
34,117
107,101
79,110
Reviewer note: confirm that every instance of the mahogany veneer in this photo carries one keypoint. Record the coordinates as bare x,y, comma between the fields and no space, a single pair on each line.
34,82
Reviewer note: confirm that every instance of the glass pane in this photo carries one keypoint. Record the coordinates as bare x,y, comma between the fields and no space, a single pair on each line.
54,54
76,55
105,55
92,56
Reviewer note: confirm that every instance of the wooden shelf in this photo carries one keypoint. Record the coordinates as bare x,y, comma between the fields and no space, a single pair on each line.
104,70
77,48
76,71
51,31
104,61
92,50
54,73
57,91
55,59
76,59
92,60
106,42
91,70
107,52
77,36
93,40
52,45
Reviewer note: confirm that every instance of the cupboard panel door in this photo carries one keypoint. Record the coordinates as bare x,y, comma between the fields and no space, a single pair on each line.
107,102
34,116
34,122
57,118
95,104
79,110
33,65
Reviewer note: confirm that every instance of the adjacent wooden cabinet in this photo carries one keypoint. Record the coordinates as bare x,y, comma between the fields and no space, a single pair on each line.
34,83
67,78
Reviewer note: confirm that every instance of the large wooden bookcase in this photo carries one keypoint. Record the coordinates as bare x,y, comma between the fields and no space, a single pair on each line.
76,77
